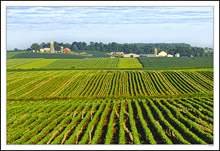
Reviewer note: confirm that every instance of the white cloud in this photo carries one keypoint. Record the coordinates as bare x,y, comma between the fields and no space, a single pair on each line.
83,21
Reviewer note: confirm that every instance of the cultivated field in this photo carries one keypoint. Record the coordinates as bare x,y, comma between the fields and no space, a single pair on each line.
74,63
176,63
13,63
102,101
129,63
105,121
100,83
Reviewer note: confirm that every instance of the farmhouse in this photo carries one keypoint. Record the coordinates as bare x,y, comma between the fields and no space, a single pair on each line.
66,50
117,53
131,55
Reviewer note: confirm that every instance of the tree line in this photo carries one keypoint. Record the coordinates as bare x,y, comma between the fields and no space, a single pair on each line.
138,48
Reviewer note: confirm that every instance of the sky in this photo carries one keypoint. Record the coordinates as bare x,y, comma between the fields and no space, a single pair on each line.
191,25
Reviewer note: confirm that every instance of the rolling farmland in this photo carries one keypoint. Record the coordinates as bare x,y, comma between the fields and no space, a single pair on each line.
107,106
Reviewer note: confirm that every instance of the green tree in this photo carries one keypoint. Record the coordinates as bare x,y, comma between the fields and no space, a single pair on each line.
35,46
75,48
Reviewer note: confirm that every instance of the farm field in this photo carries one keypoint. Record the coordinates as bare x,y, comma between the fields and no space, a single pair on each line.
12,54
108,106
176,63
36,64
111,121
94,63
13,63
90,54
112,63
84,63
129,63
106,83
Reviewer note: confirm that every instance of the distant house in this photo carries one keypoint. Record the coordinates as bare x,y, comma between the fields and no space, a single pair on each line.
177,55
66,50
169,55
33,50
112,57
131,55
117,53
148,55
162,54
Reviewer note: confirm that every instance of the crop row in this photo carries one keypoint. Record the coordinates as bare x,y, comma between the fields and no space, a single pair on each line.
68,84
107,121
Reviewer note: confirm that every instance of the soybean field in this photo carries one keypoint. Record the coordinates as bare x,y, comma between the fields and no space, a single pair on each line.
105,121
106,83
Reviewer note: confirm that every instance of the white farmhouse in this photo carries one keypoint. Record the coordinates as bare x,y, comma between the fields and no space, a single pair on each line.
131,55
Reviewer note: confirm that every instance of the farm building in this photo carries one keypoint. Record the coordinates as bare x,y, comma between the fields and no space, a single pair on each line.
117,53
177,55
169,55
131,55
148,55
66,50
41,50
155,51
47,50
51,47
162,54
61,49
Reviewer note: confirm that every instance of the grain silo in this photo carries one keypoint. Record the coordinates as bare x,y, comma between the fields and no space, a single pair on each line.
155,51
51,47
61,49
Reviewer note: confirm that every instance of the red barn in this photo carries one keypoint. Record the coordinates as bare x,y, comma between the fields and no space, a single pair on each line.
66,50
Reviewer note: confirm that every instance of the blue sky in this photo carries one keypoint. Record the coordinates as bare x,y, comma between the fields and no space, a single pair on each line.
192,25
